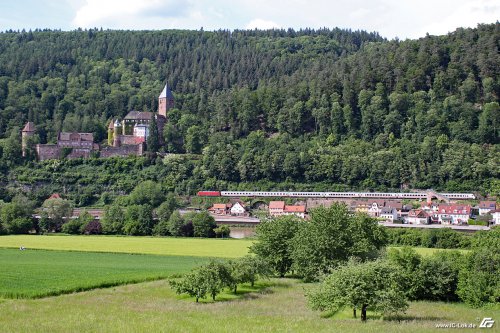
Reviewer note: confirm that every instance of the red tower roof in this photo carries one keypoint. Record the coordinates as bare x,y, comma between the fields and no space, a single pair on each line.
29,127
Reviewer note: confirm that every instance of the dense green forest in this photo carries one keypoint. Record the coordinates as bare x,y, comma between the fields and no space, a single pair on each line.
276,109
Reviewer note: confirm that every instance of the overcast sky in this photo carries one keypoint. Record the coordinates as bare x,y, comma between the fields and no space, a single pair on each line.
391,18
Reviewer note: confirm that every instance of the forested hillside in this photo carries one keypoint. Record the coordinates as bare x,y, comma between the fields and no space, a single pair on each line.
268,108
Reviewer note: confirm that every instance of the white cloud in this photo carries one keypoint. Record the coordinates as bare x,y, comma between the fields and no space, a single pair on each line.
262,24
466,15
126,13
391,18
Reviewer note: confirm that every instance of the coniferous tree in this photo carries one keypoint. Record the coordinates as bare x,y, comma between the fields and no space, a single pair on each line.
153,141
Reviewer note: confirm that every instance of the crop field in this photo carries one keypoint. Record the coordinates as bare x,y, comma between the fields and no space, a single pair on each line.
38,273
197,247
154,307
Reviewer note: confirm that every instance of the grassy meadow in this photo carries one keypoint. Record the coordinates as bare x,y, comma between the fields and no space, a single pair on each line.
197,247
154,307
38,273
65,265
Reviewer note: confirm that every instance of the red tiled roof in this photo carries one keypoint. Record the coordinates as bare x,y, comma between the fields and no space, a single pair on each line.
487,204
454,209
55,196
295,209
277,205
219,206
398,204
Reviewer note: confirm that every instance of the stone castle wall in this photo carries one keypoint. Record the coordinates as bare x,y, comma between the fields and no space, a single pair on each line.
123,151
48,152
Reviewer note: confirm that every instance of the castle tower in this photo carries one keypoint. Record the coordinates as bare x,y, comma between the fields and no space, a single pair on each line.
111,129
116,134
28,131
165,101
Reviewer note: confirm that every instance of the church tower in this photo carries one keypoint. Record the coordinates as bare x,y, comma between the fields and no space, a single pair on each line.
28,131
165,101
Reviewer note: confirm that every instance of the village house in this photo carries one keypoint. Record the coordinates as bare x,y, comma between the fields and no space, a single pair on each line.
485,207
453,214
418,216
496,216
299,211
278,208
375,207
220,209
238,209
360,206
389,214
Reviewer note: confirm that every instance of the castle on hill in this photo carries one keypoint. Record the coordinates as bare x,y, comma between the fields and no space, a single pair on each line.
125,137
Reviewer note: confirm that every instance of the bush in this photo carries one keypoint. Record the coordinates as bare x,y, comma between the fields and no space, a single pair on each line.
113,220
175,225
92,228
444,238
439,275
187,229
479,278
477,222
20,225
433,278
204,225
222,231
73,227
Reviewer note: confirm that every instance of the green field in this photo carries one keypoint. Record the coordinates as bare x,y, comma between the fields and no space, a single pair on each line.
153,307
276,305
38,273
196,247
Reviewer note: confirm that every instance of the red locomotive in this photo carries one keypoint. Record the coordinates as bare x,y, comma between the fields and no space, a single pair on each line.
209,193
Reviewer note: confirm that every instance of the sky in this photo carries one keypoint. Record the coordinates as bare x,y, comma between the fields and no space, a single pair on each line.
391,18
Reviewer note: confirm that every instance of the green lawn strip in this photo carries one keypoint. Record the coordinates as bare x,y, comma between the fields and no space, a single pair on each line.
195,247
424,251
154,307
40,273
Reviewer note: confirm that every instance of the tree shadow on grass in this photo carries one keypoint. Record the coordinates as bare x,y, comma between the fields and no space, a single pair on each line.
346,314
247,292
407,318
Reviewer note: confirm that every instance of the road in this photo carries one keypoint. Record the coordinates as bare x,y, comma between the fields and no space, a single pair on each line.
466,228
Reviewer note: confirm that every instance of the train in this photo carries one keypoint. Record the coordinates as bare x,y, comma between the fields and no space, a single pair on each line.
382,195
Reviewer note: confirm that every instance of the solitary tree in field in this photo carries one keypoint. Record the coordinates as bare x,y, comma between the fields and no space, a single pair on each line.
359,286
207,279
